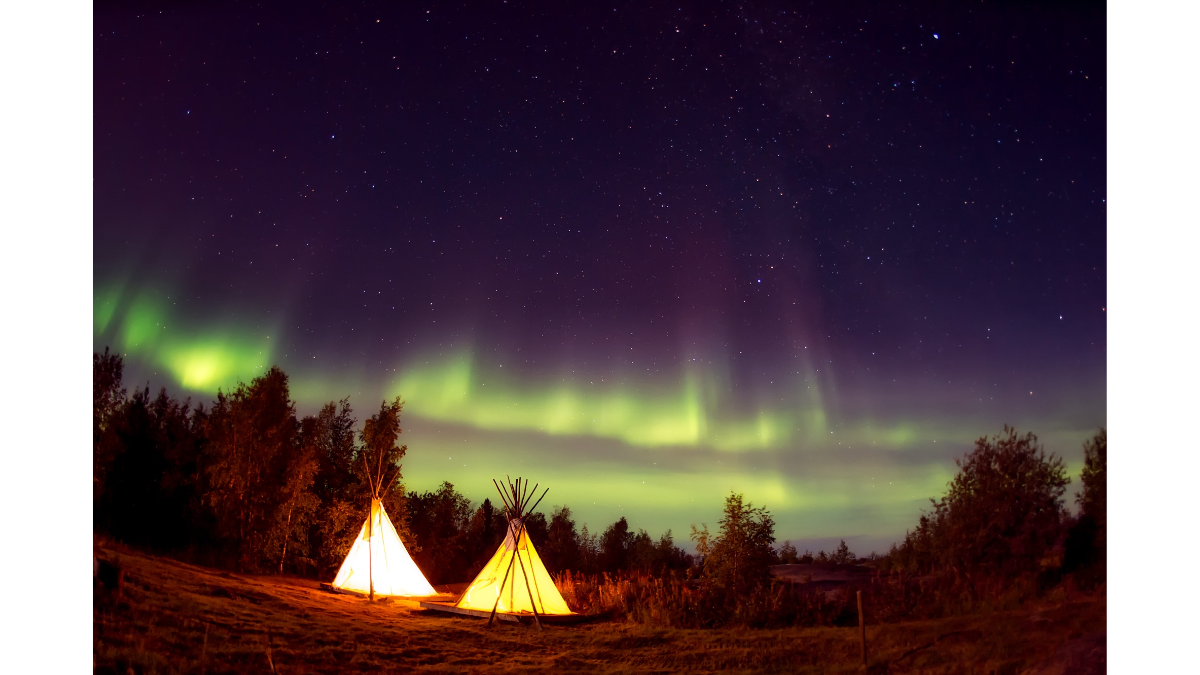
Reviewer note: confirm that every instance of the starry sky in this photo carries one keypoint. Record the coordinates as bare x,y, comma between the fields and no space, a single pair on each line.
644,254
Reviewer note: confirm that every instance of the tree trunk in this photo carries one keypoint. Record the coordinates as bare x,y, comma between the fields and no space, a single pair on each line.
287,529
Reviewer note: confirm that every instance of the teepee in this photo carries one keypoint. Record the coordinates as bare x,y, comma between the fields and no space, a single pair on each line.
378,561
515,581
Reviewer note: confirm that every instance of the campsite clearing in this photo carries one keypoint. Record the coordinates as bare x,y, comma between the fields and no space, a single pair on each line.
174,617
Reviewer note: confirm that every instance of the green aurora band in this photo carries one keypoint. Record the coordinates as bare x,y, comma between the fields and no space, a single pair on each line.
664,454
201,360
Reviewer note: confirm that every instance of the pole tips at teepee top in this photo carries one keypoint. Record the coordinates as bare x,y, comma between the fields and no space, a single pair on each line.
517,496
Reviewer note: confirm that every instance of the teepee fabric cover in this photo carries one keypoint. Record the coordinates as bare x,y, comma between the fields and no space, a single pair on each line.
394,571
514,595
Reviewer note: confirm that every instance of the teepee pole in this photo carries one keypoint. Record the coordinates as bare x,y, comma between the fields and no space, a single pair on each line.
371,550
539,501
532,602
502,497
500,593
531,494
379,472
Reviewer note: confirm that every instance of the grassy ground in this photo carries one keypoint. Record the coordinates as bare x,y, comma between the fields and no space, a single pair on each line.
170,617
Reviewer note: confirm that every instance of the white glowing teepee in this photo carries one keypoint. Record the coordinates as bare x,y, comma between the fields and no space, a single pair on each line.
378,563
515,581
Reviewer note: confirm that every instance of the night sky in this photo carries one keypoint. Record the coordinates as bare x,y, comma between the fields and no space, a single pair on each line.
641,254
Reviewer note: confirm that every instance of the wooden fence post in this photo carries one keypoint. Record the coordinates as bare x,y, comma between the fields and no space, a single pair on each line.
862,629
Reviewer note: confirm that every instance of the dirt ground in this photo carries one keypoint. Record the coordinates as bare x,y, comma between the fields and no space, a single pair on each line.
171,617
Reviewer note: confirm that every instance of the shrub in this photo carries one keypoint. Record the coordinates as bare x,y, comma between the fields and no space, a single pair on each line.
1001,516
788,554
740,556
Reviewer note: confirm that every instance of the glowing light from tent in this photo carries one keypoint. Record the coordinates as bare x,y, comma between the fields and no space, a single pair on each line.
513,583
379,555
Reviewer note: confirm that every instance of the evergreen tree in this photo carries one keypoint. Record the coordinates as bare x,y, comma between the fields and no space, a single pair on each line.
843,555
740,556
484,535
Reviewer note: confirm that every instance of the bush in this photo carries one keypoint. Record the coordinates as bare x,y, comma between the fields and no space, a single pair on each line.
788,554
1001,516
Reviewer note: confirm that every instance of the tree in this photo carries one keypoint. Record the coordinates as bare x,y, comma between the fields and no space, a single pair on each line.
297,508
561,551
615,545
108,399
843,555
252,441
151,480
329,436
440,529
589,551
379,454
483,536
740,556
1001,514
668,556
1093,501
643,554
788,554
537,528
1087,540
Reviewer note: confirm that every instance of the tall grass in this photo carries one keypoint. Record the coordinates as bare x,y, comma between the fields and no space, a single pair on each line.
683,601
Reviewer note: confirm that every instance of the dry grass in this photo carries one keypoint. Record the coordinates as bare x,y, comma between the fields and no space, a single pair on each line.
165,609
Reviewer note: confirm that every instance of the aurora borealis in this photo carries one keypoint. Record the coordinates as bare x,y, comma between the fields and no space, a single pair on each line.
641,255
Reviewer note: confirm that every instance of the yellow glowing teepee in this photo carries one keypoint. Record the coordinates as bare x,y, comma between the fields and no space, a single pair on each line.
515,581
378,563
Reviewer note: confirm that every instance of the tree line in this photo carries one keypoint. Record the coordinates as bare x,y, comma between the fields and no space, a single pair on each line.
246,483
999,536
